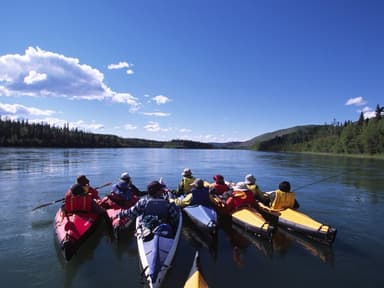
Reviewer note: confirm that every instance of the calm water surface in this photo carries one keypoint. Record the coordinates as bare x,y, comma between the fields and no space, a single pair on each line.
349,196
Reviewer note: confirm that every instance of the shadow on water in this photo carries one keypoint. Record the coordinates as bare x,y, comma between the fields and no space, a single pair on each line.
199,238
240,240
41,224
84,255
283,241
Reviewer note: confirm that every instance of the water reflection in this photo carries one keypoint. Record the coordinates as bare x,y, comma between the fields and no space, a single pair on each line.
199,238
284,240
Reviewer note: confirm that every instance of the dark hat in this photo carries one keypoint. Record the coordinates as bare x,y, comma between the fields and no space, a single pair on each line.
77,189
154,187
199,183
285,186
218,178
82,180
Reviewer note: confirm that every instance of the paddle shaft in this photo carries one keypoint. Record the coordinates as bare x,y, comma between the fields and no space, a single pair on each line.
62,199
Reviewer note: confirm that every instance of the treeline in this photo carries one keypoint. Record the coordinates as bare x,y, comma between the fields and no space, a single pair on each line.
365,136
20,133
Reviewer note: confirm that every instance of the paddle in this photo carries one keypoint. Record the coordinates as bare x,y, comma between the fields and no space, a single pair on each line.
62,199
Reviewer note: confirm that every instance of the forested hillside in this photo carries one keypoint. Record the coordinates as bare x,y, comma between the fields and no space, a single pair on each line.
23,134
365,136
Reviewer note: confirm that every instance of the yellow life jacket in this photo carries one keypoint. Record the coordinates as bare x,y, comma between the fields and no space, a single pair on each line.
283,200
187,184
255,190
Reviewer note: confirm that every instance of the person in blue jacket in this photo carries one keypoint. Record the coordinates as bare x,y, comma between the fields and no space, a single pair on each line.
154,204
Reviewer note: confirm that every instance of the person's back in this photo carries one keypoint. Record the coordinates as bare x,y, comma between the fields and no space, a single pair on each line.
77,200
219,186
124,190
283,198
154,205
250,181
187,179
240,197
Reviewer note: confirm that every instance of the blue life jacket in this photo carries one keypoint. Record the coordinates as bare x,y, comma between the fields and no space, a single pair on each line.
158,207
123,189
200,197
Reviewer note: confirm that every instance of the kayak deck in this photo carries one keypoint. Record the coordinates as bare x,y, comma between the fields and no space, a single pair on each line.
195,278
299,222
72,229
156,253
252,221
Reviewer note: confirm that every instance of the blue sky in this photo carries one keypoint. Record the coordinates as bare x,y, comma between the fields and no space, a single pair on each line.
204,70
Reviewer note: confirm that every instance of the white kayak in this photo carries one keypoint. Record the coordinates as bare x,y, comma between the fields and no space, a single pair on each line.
157,250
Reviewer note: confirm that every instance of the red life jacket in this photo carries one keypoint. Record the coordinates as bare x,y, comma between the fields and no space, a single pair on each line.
240,199
77,203
219,188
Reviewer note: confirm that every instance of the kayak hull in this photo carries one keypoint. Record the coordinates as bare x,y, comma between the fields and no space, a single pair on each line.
72,229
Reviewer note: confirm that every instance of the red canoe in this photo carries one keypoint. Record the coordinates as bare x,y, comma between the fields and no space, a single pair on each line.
72,229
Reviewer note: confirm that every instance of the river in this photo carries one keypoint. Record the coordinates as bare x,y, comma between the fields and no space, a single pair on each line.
346,193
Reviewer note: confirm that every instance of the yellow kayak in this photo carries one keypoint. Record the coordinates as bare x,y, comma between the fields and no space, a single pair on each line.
251,220
297,221
195,279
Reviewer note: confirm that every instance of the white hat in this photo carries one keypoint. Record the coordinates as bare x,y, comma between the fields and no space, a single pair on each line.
240,186
186,172
125,176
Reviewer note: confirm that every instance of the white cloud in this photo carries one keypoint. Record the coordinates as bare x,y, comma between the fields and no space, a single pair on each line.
185,130
34,77
161,99
126,98
130,127
368,112
22,110
41,73
154,127
158,114
358,101
119,65
130,72
81,125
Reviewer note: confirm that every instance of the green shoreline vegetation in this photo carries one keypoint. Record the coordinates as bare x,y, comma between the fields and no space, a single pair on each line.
363,138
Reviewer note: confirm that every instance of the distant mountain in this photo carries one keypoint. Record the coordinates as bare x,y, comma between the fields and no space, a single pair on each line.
254,142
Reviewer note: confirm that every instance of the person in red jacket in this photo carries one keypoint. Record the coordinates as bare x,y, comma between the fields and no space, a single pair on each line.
219,186
82,197
84,182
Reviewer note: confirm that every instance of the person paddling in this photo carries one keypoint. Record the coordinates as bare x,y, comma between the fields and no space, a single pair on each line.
199,195
82,197
124,192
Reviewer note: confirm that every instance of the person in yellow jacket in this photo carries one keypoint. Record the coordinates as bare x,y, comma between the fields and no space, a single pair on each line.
184,186
283,197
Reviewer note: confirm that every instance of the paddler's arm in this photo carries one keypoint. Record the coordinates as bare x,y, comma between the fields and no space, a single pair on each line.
184,201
